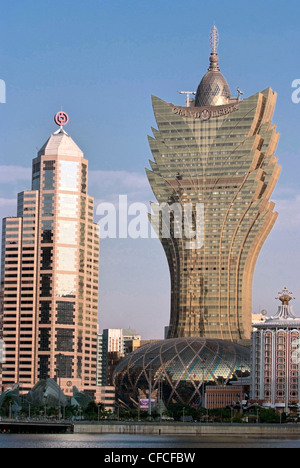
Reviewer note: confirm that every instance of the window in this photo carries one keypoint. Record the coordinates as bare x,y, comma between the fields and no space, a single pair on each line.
65,312
64,339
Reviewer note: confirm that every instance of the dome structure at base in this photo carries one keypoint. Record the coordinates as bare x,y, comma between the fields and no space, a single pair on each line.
178,368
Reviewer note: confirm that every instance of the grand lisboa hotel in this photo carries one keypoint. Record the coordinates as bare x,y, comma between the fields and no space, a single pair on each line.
216,152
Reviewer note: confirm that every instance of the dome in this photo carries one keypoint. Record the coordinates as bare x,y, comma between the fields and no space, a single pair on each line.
178,367
213,90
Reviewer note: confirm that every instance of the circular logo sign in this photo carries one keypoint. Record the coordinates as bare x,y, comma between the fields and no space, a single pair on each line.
205,114
61,119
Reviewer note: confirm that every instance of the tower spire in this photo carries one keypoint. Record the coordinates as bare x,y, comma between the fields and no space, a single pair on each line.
214,42
214,39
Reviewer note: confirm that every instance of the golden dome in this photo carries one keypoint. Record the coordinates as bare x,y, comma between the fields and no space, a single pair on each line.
213,90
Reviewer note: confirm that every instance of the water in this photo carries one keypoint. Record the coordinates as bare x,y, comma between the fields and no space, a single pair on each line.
124,441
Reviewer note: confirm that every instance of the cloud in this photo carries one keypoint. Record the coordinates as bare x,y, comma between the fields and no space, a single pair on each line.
114,179
7,202
107,186
289,212
9,174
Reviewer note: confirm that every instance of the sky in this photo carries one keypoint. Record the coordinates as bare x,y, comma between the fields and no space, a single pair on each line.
100,61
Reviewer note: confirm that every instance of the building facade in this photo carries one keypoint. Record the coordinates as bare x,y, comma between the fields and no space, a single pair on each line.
49,274
113,344
275,358
225,396
177,370
213,173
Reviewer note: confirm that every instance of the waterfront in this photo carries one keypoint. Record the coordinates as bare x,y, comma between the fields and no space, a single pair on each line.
125,441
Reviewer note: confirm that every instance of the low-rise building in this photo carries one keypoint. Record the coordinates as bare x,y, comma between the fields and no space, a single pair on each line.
275,358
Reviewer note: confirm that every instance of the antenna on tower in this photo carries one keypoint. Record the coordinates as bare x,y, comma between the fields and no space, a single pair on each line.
214,39
187,93
240,93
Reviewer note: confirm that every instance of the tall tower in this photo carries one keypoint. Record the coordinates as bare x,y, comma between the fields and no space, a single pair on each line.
216,153
49,274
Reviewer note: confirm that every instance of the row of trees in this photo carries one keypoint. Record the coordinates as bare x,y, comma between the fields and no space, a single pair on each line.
176,412
180,412
92,411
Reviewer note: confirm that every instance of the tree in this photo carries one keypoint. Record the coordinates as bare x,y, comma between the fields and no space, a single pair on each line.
7,405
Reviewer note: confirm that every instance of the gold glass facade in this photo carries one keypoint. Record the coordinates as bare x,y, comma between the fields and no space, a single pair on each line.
221,158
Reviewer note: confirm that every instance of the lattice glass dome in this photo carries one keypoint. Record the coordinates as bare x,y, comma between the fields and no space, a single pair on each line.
178,367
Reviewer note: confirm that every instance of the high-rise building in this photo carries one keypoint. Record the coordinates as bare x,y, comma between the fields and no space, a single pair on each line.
49,274
113,344
214,169
275,358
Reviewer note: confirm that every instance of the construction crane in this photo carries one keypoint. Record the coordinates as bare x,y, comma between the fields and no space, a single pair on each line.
187,93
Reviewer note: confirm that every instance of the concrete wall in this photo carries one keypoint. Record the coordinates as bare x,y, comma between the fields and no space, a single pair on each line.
189,429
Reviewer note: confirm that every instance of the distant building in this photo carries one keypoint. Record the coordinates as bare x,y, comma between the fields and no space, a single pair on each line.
99,359
258,318
131,340
113,345
106,396
225,395
275,358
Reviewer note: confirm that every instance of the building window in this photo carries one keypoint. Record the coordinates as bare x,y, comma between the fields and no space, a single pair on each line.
49,175
45,285
45,339
46,258
64,366
44,367
65,313
47,232
48,204
45,309
64,340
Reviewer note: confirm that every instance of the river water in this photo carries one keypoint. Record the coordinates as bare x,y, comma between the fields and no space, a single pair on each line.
124,441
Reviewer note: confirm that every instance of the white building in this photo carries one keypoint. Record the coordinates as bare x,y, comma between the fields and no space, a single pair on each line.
275,356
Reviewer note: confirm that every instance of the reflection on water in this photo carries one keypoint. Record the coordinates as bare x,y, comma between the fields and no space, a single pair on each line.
123,441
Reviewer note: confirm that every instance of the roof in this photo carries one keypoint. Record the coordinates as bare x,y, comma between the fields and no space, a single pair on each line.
60,143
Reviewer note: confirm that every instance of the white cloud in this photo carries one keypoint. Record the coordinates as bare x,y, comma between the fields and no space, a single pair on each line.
10,174
7,202
118,179
289,212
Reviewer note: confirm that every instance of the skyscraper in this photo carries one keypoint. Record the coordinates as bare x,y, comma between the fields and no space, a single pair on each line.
49,274
216,157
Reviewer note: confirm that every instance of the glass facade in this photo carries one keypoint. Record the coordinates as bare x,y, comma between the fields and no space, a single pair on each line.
178,368
66,232
68,205
220,158
69,176
66,258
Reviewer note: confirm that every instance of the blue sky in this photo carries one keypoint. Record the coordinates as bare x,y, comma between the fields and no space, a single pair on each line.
100,61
